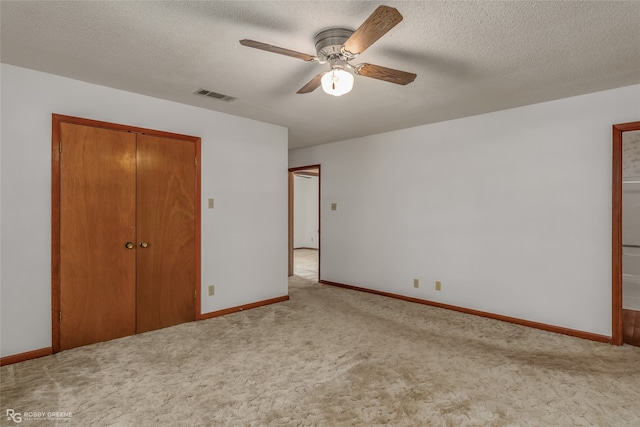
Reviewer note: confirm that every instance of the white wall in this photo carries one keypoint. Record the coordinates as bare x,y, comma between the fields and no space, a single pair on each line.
244,165
305,211
510,210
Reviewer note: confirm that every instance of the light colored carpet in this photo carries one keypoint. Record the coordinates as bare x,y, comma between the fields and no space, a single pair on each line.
305,263
334,357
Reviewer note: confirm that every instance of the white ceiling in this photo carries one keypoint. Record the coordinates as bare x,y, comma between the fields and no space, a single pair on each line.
470,57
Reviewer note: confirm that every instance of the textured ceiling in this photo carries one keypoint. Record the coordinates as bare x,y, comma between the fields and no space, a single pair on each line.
470,57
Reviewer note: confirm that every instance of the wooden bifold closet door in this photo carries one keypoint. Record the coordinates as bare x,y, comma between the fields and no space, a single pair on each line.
125,251
166,226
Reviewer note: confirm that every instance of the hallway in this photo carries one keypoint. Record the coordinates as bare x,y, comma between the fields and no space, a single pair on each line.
305,263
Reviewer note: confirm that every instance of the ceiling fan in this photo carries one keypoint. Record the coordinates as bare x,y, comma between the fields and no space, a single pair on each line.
338,46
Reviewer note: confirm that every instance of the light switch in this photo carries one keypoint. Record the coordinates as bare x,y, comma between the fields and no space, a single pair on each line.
210,203
334,206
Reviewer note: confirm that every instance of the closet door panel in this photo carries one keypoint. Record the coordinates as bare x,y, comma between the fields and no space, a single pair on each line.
166,232
97,219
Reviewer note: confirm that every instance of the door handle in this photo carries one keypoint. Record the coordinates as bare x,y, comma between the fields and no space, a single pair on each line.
129,245
143,244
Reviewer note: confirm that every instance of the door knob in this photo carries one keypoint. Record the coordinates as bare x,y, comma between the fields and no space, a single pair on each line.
143,244
129,245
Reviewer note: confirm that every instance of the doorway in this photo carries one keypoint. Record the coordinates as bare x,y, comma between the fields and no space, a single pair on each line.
125,231
304,222
625,251
631,237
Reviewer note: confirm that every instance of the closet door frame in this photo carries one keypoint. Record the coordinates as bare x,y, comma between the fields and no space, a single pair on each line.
56,121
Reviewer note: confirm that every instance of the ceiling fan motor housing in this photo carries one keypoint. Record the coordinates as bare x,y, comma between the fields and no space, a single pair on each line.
329,43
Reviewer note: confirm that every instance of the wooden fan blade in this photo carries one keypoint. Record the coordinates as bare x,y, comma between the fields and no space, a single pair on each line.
313,84
387,74
276,49
381,20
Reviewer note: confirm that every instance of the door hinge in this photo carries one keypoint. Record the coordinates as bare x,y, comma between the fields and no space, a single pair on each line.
60,146
195,162
59,317
195,294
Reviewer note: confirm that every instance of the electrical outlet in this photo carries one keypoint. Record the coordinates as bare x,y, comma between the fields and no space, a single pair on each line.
438,286
210,203
416,283
334,206
212,290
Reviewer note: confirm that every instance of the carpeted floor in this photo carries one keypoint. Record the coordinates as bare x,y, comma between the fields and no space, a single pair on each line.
333,357
305,263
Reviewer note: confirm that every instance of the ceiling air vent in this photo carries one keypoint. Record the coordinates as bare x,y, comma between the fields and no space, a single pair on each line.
215,95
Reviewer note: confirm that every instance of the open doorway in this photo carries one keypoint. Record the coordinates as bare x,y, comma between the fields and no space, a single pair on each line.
631,237
304,222
626,234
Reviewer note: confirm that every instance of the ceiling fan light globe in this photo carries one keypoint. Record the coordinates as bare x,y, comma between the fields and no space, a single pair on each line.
337,82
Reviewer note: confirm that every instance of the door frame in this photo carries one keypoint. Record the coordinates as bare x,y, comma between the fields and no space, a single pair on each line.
56,121
291,176
616,231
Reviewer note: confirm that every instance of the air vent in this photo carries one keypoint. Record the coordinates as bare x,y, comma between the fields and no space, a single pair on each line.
215,95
